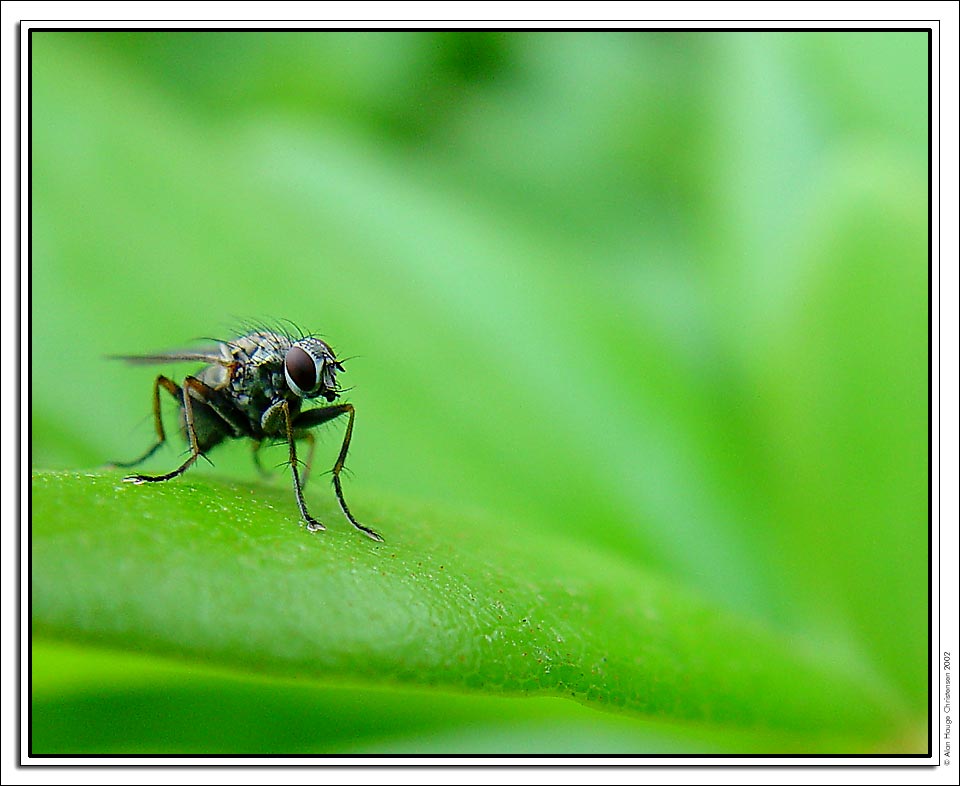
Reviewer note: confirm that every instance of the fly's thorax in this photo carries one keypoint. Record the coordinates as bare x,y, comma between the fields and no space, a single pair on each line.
254,387
257,367
260,346
264,368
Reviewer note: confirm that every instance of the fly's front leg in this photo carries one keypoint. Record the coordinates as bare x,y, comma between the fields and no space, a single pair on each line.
174,390
282,409
192,388
265,473
314,417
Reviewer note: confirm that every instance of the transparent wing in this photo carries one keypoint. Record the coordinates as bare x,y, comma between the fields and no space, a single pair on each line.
202,355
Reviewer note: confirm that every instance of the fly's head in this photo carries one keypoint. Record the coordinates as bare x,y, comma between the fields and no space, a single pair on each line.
310,368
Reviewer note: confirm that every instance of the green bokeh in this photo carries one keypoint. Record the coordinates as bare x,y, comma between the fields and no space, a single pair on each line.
660,294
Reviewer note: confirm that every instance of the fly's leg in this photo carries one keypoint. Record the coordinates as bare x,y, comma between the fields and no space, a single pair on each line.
192,388
257,444
338,467
314,417
311,441
311,447
171,387
312,524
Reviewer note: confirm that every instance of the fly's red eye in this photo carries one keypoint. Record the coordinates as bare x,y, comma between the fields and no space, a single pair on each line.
301,369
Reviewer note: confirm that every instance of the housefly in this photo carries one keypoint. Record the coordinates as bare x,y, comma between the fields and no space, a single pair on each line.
254,387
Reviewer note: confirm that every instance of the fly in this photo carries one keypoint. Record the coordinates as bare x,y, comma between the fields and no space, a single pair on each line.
254,387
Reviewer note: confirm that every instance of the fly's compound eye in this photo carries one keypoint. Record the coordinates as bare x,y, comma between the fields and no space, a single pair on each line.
301,370
311,369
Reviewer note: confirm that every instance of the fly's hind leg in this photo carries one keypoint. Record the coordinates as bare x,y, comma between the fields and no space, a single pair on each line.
193,389
174,390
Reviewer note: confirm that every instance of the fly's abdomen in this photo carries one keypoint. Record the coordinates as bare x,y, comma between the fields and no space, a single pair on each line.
209,427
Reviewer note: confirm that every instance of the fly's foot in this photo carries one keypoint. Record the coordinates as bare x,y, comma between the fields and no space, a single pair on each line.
139,480
313,525
346,511
365,530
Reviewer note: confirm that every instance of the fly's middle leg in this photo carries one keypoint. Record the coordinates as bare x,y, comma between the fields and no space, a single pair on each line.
257,444
311,441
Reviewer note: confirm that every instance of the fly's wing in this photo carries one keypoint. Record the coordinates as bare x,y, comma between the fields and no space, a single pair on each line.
214,355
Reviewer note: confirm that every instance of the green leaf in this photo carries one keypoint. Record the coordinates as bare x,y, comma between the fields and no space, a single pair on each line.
651,336
222,575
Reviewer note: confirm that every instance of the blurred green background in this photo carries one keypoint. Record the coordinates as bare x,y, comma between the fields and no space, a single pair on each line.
662,294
